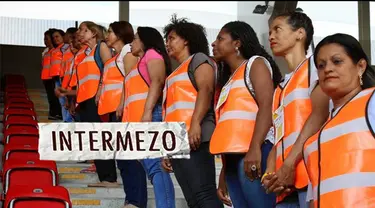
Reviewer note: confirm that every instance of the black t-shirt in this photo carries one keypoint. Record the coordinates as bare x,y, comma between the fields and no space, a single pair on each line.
208,123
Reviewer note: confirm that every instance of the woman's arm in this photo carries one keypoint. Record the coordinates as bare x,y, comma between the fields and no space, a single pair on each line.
262,83
105,52
205,80
105,55
157,73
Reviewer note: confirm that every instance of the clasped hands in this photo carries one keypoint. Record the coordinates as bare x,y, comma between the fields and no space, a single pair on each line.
280,182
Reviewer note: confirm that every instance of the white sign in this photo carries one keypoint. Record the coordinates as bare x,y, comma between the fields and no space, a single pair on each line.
121,141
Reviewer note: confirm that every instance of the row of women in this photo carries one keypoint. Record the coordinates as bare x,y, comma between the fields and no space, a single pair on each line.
304,140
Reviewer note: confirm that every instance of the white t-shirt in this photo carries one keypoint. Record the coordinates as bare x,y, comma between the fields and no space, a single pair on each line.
120,58
270,135
45,51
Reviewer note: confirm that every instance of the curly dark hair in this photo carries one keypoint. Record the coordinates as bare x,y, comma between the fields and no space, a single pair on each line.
250,46
194,34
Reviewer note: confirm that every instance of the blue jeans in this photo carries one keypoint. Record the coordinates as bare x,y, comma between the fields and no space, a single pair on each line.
243,192
134,182
161,180
302,203
133,177
67,117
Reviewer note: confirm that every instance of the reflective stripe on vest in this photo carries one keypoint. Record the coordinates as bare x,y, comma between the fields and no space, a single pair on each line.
112,87
339,157
179,96
297,108
88,75
78,58
56,60
136,91
68,73
68,56
46,66
237,113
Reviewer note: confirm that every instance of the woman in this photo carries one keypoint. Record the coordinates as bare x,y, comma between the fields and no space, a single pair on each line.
56,60
188,97
338,157
300,108
147,79
111,101
245,109
67,58
88,79
49,85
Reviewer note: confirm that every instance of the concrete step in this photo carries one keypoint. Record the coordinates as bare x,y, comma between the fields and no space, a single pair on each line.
116,203
87,178
75,167
82,191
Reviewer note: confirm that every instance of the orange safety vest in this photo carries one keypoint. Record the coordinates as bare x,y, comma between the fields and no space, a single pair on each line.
68,72
297,108
237,113
88,76
112,87
68,56
179,96
339,158
135,96
46,65
56,60
78,58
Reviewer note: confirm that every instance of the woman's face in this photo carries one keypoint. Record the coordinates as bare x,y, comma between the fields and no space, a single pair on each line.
136,46
68,37
84,33
282,38
338,75
47,41
175,44
223,46
75,42
57,38
111,38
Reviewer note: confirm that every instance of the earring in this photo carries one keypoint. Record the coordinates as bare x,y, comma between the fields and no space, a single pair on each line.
360,79
238,51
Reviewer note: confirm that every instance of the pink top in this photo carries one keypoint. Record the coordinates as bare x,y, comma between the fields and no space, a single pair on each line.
149,55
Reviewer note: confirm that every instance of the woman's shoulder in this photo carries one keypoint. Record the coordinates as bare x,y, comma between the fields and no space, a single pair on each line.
152,54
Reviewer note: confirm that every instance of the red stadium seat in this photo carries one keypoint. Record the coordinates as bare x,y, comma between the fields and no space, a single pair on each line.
17,100
19,112
20,106
37,197
15,89
21,150
29,172
20,131
13,122
16,95
25,118
22,139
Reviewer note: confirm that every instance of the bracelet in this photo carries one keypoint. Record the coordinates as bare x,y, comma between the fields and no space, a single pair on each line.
264,175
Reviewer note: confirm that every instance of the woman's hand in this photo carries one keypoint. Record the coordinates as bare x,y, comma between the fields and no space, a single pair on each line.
166,165
194,135
222,191
253,158
147,116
